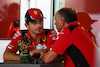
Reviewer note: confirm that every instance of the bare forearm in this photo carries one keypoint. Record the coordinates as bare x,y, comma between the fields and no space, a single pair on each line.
59,59
48,57
44,58
8,55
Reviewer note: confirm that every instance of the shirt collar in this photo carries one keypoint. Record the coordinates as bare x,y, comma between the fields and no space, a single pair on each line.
73,23
42,36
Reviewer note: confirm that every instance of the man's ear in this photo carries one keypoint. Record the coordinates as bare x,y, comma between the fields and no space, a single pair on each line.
62,22
26,25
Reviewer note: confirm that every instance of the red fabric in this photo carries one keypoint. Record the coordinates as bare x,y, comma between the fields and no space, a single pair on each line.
80,38
17,39
12,30
85,20
35,13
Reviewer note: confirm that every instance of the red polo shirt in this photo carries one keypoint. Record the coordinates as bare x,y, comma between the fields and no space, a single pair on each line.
76,45
47,40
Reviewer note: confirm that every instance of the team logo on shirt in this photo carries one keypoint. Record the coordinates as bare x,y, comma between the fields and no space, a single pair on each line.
10,46
16,35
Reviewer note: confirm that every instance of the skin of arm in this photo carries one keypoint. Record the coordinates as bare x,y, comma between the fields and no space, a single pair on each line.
9,55
59,58
47,56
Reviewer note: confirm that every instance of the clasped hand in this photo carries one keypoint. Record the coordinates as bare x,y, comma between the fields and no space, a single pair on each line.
41,52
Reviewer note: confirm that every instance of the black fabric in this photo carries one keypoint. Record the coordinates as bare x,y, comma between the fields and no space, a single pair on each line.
71,27
23,32
77,57
16,23
46,31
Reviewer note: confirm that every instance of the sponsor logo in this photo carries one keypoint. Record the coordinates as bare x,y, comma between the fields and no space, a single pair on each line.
57,38
16,35
44,46
10,46
53,33
53,38
35,12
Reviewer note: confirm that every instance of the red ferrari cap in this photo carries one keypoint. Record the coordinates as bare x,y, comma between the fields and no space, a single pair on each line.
33,14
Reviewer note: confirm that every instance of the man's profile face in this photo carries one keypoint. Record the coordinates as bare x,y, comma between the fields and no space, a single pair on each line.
57,23
36,26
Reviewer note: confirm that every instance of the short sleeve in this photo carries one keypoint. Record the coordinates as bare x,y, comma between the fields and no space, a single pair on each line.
62,43
51,37
16,39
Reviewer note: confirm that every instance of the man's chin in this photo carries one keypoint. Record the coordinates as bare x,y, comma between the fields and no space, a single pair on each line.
39,32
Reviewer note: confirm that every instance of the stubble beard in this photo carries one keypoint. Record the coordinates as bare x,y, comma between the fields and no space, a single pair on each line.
39,30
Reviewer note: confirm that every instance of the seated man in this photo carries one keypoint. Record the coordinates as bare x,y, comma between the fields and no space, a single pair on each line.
38,35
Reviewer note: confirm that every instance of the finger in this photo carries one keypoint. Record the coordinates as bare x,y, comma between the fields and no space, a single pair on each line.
41,56
34,52
31,53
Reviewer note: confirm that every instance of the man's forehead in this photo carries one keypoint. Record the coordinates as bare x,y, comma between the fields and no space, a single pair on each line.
38,19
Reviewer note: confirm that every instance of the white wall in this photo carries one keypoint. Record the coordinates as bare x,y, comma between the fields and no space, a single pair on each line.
3,44
24,6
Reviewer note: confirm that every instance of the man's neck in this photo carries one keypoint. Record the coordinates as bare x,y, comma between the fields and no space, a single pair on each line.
65,25
36,37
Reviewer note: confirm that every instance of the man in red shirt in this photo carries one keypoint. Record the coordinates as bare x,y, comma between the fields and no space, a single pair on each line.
73,42
38,35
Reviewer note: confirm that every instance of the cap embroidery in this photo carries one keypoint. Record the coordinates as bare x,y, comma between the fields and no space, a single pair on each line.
35,12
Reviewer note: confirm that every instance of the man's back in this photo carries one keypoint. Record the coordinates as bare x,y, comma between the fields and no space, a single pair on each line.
81,49
76,45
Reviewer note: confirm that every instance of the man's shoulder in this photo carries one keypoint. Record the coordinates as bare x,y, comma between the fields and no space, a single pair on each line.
72,27
18,34
50,31
52,34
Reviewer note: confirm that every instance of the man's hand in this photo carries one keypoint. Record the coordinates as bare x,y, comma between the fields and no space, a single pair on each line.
41,52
